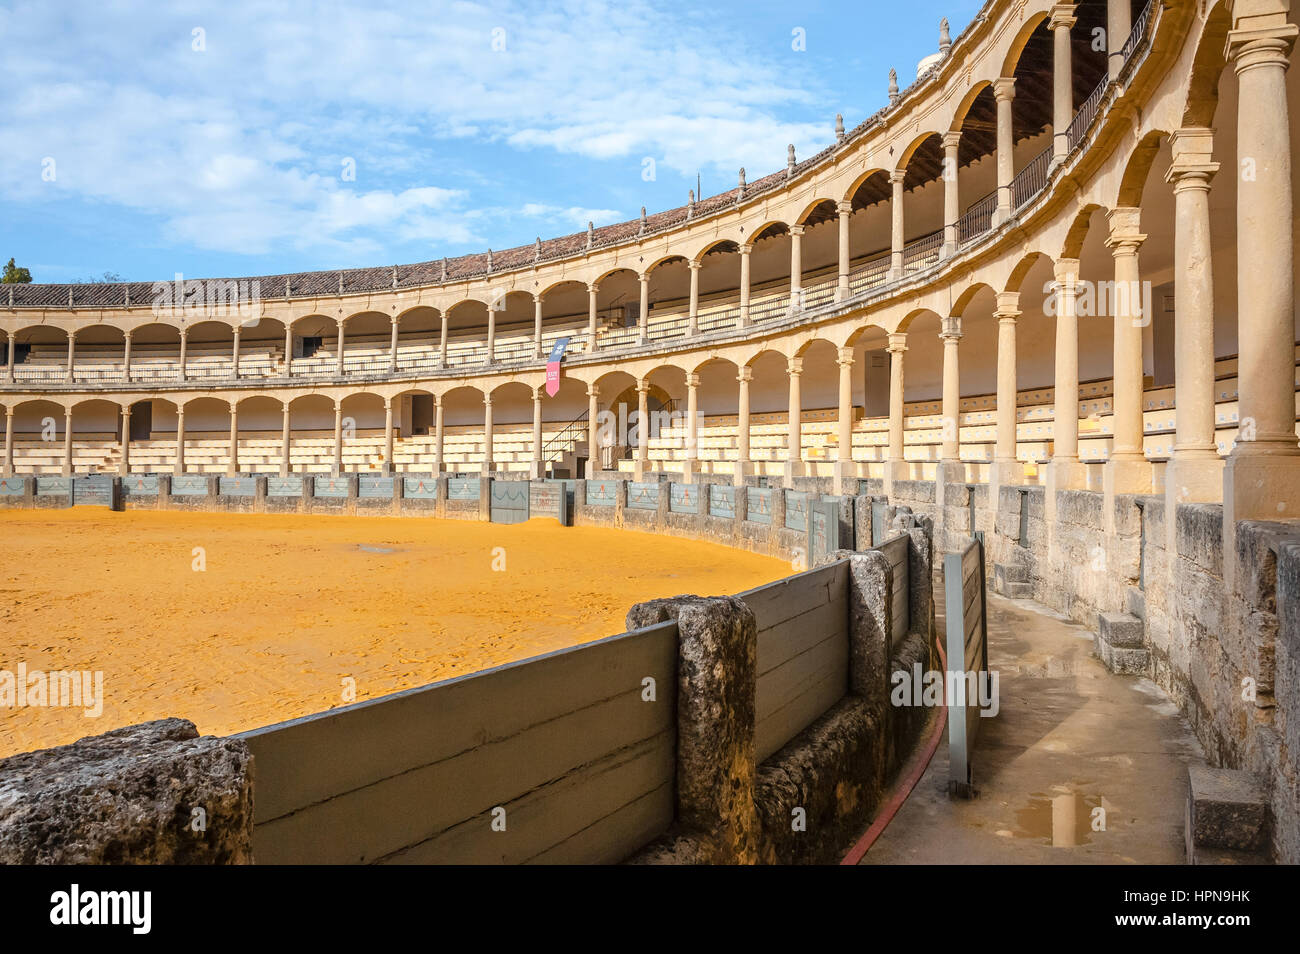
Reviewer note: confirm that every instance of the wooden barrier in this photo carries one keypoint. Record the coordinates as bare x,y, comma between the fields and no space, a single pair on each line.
803,651
967,648
562,751
897,551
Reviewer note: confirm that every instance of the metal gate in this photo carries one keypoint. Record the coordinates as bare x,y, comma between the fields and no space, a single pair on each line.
509,501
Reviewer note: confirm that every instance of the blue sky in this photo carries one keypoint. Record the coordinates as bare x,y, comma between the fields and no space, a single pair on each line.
215,138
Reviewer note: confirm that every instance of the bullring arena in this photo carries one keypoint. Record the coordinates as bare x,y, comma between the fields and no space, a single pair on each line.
1044,298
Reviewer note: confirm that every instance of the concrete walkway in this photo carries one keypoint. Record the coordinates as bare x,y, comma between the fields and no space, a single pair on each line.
1070,737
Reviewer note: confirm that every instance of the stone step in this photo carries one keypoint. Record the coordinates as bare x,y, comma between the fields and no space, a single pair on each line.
1135,603
1012,580
1227,817
1119,644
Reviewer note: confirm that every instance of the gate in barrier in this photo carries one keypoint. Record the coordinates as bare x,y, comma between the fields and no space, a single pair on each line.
966,644
823,529
95,490
509,501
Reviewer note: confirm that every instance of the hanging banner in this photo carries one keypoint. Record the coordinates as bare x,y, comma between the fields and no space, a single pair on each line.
553,367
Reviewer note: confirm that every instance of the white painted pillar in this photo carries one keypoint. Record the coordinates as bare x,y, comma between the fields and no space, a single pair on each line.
489,443
126,356
285,466
693,320
692,430
185,338
338,438
389,467
124,467
492,333
13,345
439,462
951,336
897,231
442,341
593,431
592,290
234,352
9,442
1061,22
743,463
537,326
288,351
72,351
643,321
1008,467
794,438
392,346
67,443
845,209
951,194
180,440
1004,93
338,357
232,456
744,284
1119,24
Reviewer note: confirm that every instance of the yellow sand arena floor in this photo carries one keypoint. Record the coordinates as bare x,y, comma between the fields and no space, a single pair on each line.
289,608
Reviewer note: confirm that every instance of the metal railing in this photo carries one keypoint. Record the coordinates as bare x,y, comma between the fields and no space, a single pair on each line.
921,253
1031,180
1086,114
977,220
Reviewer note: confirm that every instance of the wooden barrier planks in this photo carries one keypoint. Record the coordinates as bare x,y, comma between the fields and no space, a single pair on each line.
563,742
966,630
803,651
897,550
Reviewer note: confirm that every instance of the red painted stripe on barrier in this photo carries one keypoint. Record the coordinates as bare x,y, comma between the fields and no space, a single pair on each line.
905,786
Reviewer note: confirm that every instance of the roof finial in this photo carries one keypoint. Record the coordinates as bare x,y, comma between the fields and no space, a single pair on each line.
839,127
286,286
690,204
489,261
740,193
537,250
444,268
893,87
591,233
945,41
641,231
340,283
789,160
394,276
127,286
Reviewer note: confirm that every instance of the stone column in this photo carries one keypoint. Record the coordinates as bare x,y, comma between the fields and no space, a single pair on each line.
13,345
537,326
1119,23
288,351
845,209
180,440
338,438
894,460
844,466
492,333
124,467
338,357
1195,473
9,442
693,319
744,466
897,233
439,462
1262,476
642,429
1004,92
442,341
392,346
643,320
538,467
232,457
488,443
285,466
592,290
185,338
692,431
1060,24
1066,472
1128,470
1006,469
593,431
126,355
794,438
67,443
951,194
951,336
72,351
744,284
796,266
388,467
234,353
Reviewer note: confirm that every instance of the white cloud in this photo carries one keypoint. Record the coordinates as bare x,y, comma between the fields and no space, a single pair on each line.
239,147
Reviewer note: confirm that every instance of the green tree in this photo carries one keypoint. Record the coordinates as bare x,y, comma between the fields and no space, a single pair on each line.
16,276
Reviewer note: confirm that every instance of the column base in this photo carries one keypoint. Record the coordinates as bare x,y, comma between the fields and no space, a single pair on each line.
591,468
1194,479
893,275
639,468
790,470
536,470
744,468
1001,215
1127,475
947,251
1006,473
1257,486
690,468
844,472
895,469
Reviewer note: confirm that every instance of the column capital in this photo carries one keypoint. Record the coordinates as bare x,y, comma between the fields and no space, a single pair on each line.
593,391
692,380
437,400
180,413
14,334
844,206
537,393
746,248
9,411
897,342
538,298
593,287
952,139
797,229
643,387
794,367
1008,305
744,374
1004,89
126,410
694,264
487,401
950,328
643,278
1260,38
844,358
897,176
1066,272
1193,158
1062,17
393,321
1125,236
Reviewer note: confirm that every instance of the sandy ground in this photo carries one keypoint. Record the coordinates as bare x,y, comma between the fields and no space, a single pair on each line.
290,607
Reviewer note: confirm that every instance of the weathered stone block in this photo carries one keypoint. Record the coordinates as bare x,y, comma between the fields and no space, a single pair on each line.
1120,629
130,796
1227,808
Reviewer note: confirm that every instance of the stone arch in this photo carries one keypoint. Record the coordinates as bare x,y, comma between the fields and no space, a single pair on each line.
1207,68
1021,40
1136,169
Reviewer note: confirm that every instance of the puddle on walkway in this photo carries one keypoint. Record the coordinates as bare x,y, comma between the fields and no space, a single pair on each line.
1062,820
368,548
